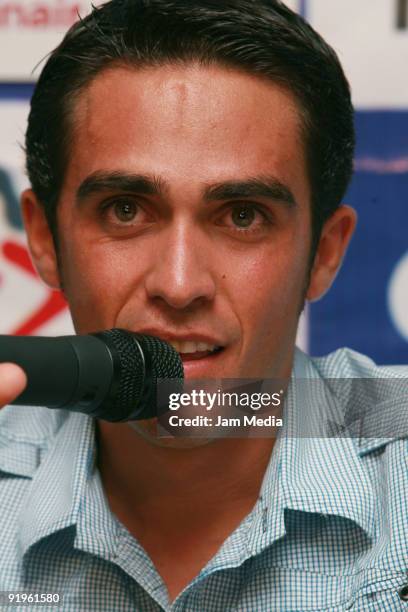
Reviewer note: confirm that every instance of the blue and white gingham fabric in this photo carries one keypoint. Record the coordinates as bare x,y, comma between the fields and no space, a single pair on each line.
329,531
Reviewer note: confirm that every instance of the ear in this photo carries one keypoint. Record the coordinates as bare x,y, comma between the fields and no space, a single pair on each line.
333,243
40,239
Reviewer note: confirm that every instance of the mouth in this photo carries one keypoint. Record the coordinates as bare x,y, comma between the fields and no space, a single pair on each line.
193,351
201,353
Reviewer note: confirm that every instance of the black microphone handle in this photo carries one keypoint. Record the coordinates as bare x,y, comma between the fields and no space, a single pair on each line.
68,372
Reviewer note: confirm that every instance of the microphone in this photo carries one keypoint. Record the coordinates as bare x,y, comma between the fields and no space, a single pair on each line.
110,375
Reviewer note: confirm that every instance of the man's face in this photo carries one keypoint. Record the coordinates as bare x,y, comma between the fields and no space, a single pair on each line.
185,213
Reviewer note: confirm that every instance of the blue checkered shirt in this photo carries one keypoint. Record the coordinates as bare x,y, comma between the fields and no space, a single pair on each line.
328,532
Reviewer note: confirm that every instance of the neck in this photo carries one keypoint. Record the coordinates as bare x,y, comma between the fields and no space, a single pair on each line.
142,472
180,503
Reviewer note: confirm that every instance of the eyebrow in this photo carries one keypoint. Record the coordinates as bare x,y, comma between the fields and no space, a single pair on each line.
265,187
119,181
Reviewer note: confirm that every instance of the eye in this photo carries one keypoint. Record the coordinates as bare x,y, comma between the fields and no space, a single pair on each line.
124,210
121,212
243,216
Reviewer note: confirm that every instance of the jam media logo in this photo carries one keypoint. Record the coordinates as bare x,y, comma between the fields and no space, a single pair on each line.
17,274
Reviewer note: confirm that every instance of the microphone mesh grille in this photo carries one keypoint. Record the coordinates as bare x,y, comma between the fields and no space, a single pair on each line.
131,368
164,362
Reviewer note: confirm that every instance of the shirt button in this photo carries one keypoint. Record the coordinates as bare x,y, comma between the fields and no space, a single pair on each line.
403,593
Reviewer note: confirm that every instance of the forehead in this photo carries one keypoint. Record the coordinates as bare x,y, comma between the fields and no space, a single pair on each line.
190,121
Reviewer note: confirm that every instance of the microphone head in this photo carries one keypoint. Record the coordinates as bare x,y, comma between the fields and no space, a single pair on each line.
139,362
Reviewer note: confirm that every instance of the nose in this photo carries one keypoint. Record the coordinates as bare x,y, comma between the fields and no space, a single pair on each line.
181,274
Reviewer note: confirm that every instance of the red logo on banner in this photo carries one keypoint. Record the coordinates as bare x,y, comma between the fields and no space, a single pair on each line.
54,303
41,14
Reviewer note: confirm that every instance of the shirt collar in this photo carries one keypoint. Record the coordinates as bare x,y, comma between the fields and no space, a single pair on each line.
24,434
323,475
319,475
59,484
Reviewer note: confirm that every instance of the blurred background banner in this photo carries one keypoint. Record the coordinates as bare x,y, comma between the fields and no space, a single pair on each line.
29,30
27,306
367,308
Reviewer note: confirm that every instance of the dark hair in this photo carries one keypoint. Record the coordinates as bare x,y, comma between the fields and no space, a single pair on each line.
261,37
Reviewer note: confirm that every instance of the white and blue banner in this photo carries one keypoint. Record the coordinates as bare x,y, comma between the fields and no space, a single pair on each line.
367,308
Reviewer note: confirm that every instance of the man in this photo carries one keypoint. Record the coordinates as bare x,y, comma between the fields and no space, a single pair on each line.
187,163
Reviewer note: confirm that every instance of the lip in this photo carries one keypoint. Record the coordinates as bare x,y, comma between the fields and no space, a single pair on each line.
191,337
202,368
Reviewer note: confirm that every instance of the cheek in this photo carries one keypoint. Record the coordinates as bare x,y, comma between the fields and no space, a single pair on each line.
266,281
270,297
270,301
97,281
